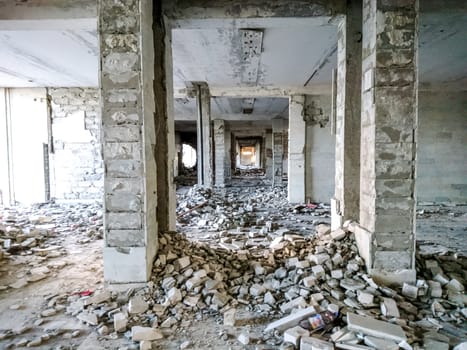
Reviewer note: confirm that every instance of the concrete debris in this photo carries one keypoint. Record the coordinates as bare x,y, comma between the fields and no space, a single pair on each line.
33,236
139,333
246,263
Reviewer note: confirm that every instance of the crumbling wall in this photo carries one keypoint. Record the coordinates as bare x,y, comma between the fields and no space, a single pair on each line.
442,148
76,162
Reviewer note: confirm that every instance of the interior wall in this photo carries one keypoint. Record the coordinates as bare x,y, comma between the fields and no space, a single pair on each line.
76,163
23,136
442,147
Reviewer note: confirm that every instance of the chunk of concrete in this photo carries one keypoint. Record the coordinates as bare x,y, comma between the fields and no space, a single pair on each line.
88,317
310,343
293,335
380,329
120,322
297,302
137,305
139,333
291,320
380,344
389,308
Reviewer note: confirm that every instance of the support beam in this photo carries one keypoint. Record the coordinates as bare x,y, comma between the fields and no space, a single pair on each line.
128,129
204,146
188,11
346,201
277,151
388,136
297,130
257,91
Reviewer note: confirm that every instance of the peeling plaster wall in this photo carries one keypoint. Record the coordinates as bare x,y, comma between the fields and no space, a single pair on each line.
76,164
442,148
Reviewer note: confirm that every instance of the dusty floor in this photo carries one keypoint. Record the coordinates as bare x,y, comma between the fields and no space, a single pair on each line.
77,267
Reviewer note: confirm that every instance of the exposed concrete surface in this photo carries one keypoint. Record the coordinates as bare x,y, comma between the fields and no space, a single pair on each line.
321,154
348,113
442,147
388,136
128,124
296,149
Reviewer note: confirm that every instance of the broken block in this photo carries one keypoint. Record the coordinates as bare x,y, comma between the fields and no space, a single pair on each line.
380,329
291,320
139,333
137,305
293,335
389,308
120,322
310,343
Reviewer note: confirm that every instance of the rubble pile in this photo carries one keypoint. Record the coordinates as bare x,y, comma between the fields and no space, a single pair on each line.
272,285
252,172
315,287
33,235
256,209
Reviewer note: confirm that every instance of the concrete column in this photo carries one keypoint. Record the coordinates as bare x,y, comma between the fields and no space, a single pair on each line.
204,147
164,120
277,151
346,201
388,139
219,153
297,137
228,151
268,164
128,134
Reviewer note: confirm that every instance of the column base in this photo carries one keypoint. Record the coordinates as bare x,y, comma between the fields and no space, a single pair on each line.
126,265
394,278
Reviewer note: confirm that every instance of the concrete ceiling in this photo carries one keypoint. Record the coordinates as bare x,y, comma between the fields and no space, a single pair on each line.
54,43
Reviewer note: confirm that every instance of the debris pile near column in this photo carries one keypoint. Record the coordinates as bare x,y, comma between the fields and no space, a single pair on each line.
275,285
292,279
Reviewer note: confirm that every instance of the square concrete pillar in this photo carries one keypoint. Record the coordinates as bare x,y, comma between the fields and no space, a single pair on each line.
388,139
219,153
297,139
277,151
346,201
163,119
268,161
128,138
204,136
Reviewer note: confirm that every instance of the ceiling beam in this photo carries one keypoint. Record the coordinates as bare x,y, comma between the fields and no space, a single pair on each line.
257,91
48,9
227,9
89,24
228,117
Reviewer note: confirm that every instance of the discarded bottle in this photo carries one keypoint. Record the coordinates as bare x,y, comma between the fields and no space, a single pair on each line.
319,320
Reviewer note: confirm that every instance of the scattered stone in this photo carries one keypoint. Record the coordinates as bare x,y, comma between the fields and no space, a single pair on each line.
88,317
389,308
137,305
291,320
310,343
370,326
120,322
139,333
293,335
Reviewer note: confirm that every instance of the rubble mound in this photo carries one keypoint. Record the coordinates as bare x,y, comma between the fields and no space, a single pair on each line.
294,281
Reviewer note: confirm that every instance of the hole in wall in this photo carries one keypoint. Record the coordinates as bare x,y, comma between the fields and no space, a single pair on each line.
188,156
